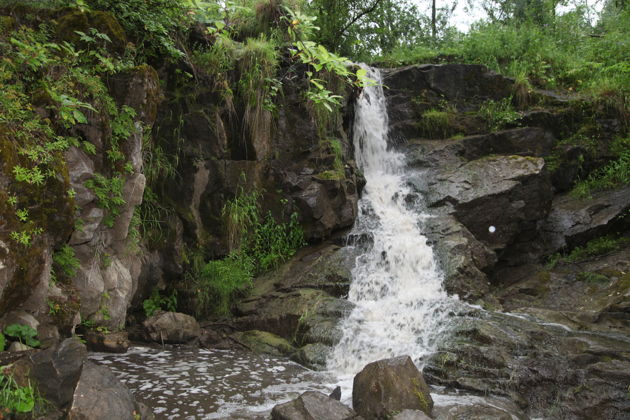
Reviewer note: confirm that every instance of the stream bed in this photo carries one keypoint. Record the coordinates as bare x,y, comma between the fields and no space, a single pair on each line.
191,383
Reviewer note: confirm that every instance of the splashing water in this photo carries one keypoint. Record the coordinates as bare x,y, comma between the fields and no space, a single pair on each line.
401,307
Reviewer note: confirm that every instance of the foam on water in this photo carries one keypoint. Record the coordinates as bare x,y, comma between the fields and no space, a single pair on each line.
187,383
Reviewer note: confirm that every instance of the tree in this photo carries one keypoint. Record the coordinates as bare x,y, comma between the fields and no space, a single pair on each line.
360,28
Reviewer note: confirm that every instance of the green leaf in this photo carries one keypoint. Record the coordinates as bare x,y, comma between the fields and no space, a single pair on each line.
79,116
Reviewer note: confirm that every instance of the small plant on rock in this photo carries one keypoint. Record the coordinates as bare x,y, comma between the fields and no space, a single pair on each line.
23,333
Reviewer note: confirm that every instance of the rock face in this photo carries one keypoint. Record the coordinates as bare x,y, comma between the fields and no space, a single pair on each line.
389,386
548,370
301,301
172,327
574,221
313,405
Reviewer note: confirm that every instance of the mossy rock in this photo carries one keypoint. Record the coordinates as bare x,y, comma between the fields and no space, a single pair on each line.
49,208
264,342
7,25
83,21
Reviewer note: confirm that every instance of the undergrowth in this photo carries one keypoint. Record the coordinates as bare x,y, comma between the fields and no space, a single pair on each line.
615,173
257,243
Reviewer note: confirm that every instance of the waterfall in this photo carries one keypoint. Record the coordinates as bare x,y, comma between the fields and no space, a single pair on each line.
401,306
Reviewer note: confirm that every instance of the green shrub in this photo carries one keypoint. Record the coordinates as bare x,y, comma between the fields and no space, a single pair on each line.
614,174
66,262
498,114
158,302
109,195
257,244
153,24
274,242
589,277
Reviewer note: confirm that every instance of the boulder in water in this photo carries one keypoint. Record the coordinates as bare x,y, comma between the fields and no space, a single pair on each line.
388,386
313,405
172,327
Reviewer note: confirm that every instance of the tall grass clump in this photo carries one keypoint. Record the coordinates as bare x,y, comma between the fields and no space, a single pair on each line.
257,65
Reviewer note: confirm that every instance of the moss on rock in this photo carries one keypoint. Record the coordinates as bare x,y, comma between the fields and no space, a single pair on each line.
83,21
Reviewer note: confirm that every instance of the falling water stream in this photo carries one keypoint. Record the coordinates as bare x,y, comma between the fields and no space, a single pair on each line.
401,306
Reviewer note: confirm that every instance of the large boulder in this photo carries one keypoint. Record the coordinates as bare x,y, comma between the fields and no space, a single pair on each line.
313,405
172,327
57,370
388,386
99,395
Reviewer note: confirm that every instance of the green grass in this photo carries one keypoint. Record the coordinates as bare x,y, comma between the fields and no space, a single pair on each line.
218,282
436,123
614,174
593,248
568,53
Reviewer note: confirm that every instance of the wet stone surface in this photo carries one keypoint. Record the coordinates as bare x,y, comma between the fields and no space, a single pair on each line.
187,383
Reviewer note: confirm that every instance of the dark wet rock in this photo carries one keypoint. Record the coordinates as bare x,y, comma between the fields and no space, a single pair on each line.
100,395
336,394
463,257
57,370
172,327
388,386
573,221
545,369
479,408
326,267
313,405
590,294
313,356
415,89
264,342
411,415
111,342
526,141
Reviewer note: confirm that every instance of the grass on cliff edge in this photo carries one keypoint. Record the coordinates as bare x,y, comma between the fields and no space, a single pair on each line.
568,53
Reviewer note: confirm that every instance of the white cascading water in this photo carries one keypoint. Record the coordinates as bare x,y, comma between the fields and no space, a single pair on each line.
401,305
